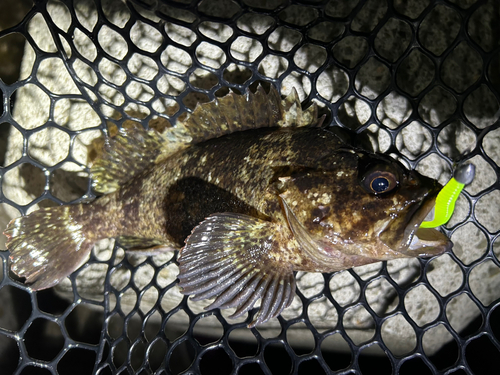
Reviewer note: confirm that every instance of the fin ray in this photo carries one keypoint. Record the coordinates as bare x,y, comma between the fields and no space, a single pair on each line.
262,285
243,294
229,293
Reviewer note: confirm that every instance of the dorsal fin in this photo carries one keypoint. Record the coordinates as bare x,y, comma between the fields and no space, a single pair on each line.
124,156
133,149
233,113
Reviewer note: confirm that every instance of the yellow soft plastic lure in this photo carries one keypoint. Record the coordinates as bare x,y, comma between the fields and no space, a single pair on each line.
445,201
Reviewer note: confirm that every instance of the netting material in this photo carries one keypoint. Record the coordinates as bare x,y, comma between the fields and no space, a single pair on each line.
122,62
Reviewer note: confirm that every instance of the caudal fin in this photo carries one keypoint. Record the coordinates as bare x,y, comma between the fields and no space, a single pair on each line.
47,245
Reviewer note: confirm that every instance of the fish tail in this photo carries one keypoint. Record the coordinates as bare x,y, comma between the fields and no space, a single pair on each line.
49,244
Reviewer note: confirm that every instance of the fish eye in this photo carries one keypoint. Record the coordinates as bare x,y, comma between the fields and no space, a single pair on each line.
380,184
379,181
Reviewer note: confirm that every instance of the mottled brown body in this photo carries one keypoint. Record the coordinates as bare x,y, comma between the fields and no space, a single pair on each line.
250,191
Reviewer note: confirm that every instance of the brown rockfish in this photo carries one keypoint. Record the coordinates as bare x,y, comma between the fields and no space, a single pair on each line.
249,188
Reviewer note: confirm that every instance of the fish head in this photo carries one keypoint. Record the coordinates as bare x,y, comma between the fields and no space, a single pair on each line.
357,208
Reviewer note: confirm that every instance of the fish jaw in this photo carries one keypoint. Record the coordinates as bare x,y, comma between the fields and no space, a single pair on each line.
424,242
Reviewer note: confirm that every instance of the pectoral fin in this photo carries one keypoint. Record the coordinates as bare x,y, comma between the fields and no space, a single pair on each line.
237,259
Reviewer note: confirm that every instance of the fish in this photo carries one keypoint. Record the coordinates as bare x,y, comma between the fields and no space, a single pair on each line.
249,188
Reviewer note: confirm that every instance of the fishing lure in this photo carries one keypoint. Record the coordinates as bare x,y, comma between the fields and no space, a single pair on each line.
445,201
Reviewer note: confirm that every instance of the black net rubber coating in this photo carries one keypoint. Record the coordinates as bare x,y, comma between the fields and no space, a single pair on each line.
89,335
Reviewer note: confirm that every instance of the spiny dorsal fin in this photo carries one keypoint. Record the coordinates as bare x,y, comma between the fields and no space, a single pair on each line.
233,113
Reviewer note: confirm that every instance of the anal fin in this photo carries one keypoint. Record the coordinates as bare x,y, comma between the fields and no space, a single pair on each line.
237,259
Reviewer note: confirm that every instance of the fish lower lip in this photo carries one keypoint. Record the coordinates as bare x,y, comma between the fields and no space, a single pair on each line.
428,242
430,215
425,241
426,209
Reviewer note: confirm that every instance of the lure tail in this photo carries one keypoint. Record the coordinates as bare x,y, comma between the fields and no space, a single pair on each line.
48,245
445,201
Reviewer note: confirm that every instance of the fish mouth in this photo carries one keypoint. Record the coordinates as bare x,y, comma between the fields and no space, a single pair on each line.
424,242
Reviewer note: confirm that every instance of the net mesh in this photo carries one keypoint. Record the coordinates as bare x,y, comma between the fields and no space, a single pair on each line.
418,80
